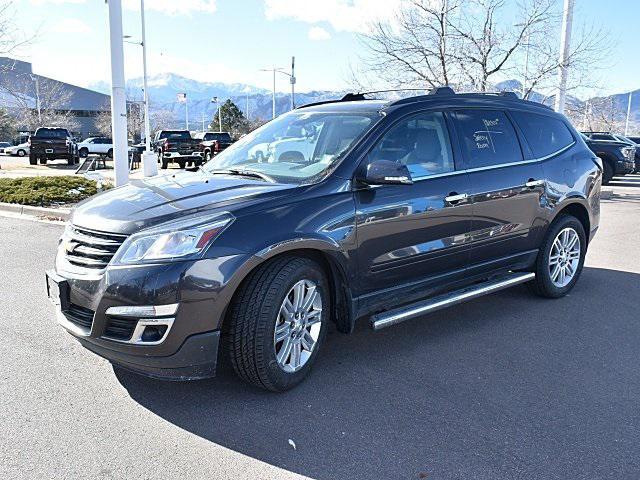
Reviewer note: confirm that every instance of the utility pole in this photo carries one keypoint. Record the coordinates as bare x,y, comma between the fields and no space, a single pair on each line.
293,83
565,44
273,95
118,94
626,124
149,161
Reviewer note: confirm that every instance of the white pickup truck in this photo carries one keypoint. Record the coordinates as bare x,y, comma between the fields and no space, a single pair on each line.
99,145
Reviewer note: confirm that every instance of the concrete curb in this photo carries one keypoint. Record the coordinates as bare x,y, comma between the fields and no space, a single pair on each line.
61,213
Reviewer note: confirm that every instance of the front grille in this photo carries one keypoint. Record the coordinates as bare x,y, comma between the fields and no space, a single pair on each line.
120,328
80,316
89,248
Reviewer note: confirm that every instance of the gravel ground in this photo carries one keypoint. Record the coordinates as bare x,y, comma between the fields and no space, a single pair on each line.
508,386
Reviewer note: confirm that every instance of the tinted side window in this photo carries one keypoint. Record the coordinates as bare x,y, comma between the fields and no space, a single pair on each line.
546,135
600,136
421,142
488,137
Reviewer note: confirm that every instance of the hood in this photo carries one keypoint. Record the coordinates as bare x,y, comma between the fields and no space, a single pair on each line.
145,203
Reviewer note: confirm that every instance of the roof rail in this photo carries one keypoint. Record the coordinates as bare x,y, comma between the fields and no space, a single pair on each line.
442,91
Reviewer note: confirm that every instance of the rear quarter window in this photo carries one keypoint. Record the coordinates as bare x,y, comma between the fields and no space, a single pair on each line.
488,138
545,135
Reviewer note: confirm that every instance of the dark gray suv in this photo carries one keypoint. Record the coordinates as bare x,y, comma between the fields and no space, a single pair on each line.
333,212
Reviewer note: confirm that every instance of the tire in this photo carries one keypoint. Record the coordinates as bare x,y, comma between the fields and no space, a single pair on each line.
250,326
181,164
43,160
607,172
21,153
83,152
207,156
110,153
544,284
71,160
33,160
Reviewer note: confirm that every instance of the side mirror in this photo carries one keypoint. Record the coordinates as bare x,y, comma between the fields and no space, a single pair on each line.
386,172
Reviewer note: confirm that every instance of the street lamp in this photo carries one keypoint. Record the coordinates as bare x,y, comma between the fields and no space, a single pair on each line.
149,162
292,80
215,100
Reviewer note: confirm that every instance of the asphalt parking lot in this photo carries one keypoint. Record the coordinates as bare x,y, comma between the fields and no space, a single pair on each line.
507,386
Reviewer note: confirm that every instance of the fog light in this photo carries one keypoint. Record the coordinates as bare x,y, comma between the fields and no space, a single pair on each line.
153,333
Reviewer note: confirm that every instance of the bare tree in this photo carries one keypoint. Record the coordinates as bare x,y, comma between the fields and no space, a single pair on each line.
11,39
469,45
36,101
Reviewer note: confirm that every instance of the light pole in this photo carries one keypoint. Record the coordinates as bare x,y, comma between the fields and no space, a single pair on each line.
219,107
149,162
565,43
292,80
118,94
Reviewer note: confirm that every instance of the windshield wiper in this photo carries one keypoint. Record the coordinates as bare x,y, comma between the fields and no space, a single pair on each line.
244,173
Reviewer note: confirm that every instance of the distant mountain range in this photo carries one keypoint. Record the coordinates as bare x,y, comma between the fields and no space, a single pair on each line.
163,90
256,102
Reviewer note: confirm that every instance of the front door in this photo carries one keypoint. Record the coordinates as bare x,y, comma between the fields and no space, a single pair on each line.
413,236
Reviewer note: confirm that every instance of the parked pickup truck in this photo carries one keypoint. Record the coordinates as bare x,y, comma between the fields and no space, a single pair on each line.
175,146
212,143
51,143
618,158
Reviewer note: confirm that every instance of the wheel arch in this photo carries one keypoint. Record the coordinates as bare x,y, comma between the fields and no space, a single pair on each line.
325,254
578,210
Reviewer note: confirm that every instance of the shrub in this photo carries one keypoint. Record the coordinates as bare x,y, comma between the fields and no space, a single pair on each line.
46,191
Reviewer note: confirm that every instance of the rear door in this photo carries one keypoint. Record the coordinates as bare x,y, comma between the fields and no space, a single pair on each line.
507,188
414,236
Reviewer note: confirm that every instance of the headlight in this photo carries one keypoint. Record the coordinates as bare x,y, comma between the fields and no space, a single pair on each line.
175,240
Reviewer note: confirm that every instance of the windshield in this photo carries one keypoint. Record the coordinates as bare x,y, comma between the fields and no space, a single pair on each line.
295,147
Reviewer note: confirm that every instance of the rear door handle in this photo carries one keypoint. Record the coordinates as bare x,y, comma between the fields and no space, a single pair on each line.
454,197
531,183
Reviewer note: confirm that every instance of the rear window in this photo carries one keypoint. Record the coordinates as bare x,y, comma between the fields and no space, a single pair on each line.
177,135
601,136
221,137
51,133
488,138
545,135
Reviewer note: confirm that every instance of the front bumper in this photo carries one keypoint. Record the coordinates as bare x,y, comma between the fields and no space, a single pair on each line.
624,167
200,290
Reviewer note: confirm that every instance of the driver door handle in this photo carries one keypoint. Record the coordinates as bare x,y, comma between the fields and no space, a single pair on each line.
454,197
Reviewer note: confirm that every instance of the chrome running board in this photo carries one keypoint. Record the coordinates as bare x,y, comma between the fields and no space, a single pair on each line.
391,317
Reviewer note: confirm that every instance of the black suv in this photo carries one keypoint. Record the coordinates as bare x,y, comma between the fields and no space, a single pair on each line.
381,210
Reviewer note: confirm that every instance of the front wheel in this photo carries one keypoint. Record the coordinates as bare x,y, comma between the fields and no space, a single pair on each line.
277,323
83,152
33,159
561,258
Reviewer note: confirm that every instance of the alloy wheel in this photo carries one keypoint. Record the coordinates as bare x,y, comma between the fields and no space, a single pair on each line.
564,257
298,326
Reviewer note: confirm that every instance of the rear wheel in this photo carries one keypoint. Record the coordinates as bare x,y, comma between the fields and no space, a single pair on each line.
71,160
83,152
277,322
43,160
182,163
607,172
561,258
33,159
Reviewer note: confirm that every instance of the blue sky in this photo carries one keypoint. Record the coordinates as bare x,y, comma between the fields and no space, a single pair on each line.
230,40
